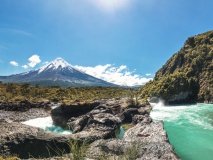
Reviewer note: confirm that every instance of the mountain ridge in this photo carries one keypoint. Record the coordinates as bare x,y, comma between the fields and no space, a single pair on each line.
57,72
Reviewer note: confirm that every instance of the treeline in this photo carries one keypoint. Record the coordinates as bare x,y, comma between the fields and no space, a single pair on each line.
11,92
169,85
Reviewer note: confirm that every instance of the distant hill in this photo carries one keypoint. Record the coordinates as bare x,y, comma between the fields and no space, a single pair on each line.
56,73
188,75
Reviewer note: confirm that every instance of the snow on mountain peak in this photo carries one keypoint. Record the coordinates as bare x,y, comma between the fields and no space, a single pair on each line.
60,62
57,63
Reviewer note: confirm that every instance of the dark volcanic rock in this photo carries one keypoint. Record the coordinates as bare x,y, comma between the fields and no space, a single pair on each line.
63,113
87,121
141,119
101,109
128,114
99,120
78,124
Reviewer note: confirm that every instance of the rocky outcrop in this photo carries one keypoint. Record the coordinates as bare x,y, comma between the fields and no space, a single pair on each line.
128,113
26,141
97,124
181,97
63,113
146,119
100,120
145,141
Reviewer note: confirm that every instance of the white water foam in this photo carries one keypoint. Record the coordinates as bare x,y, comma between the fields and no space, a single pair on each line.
46,123
54,107
40,122
182,114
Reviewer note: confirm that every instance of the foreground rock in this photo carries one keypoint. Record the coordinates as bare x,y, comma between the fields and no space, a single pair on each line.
26,141
96,123
145,141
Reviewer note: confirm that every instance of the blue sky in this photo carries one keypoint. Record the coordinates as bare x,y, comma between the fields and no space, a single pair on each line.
138,34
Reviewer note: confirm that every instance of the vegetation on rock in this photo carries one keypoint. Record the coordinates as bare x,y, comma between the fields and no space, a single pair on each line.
189,71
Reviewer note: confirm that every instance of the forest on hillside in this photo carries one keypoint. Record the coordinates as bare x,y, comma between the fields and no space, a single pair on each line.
189,70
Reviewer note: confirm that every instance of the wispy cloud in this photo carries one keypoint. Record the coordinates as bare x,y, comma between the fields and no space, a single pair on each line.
34,60
117,75
148,74
16,31
111,5
14,63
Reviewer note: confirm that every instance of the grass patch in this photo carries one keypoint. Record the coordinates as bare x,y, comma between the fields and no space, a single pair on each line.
77,150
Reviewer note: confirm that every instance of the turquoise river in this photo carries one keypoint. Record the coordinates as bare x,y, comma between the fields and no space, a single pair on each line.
189,128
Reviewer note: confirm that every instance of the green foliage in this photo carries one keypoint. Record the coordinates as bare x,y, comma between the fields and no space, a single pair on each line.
132,102
18,92
78,149
170,85
192,66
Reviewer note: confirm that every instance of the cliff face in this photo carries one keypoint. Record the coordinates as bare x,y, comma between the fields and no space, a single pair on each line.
188,75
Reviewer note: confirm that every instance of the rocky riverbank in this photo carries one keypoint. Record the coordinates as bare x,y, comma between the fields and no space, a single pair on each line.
97,122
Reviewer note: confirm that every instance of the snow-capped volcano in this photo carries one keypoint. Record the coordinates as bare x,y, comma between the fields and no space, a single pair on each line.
56,73
58,63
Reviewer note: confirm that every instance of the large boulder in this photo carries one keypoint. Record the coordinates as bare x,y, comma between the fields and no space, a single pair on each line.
100,120
63,113
128,114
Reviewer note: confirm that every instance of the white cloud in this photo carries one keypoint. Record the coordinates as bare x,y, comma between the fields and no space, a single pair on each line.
111,5
34,60
24,66
14,63
148,74
117,75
